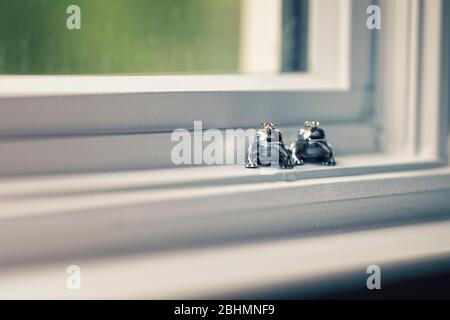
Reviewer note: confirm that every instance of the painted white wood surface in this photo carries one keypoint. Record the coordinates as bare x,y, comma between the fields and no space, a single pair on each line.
218,271
60,218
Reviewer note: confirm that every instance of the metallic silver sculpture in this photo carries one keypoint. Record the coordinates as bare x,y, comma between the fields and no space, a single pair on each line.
268,149
312,146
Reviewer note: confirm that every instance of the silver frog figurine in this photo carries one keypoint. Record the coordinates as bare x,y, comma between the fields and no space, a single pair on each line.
312,146
268,148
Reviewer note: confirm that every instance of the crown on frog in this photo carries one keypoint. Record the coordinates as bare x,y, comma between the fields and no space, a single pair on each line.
268,125
311,124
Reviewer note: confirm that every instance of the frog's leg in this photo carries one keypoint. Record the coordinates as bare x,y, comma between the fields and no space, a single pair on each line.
252,157
328,152
286,161
297,161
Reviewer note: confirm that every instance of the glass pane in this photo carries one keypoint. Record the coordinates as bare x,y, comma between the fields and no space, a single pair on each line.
152,36
294,40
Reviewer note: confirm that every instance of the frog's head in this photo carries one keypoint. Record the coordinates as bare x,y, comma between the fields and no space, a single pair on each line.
269,131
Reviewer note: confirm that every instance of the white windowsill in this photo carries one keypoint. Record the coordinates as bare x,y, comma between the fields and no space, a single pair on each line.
25,196
233,270
179,216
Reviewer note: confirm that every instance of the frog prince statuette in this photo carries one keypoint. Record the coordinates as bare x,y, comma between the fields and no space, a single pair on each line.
312,146
268,148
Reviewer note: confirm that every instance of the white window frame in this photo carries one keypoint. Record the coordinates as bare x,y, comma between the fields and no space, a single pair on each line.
328,62
412,83
178,208
86,114
100,117
411,97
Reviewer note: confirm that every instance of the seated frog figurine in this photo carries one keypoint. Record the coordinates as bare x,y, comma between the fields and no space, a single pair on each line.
312,146
268,148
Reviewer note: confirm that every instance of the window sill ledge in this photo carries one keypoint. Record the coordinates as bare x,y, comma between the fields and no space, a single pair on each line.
203,176
319,264
178,208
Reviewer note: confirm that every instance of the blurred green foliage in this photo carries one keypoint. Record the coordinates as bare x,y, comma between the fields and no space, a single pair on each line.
120,36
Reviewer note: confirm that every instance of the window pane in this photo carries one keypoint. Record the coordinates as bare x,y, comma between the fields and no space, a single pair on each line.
152,36
295,19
